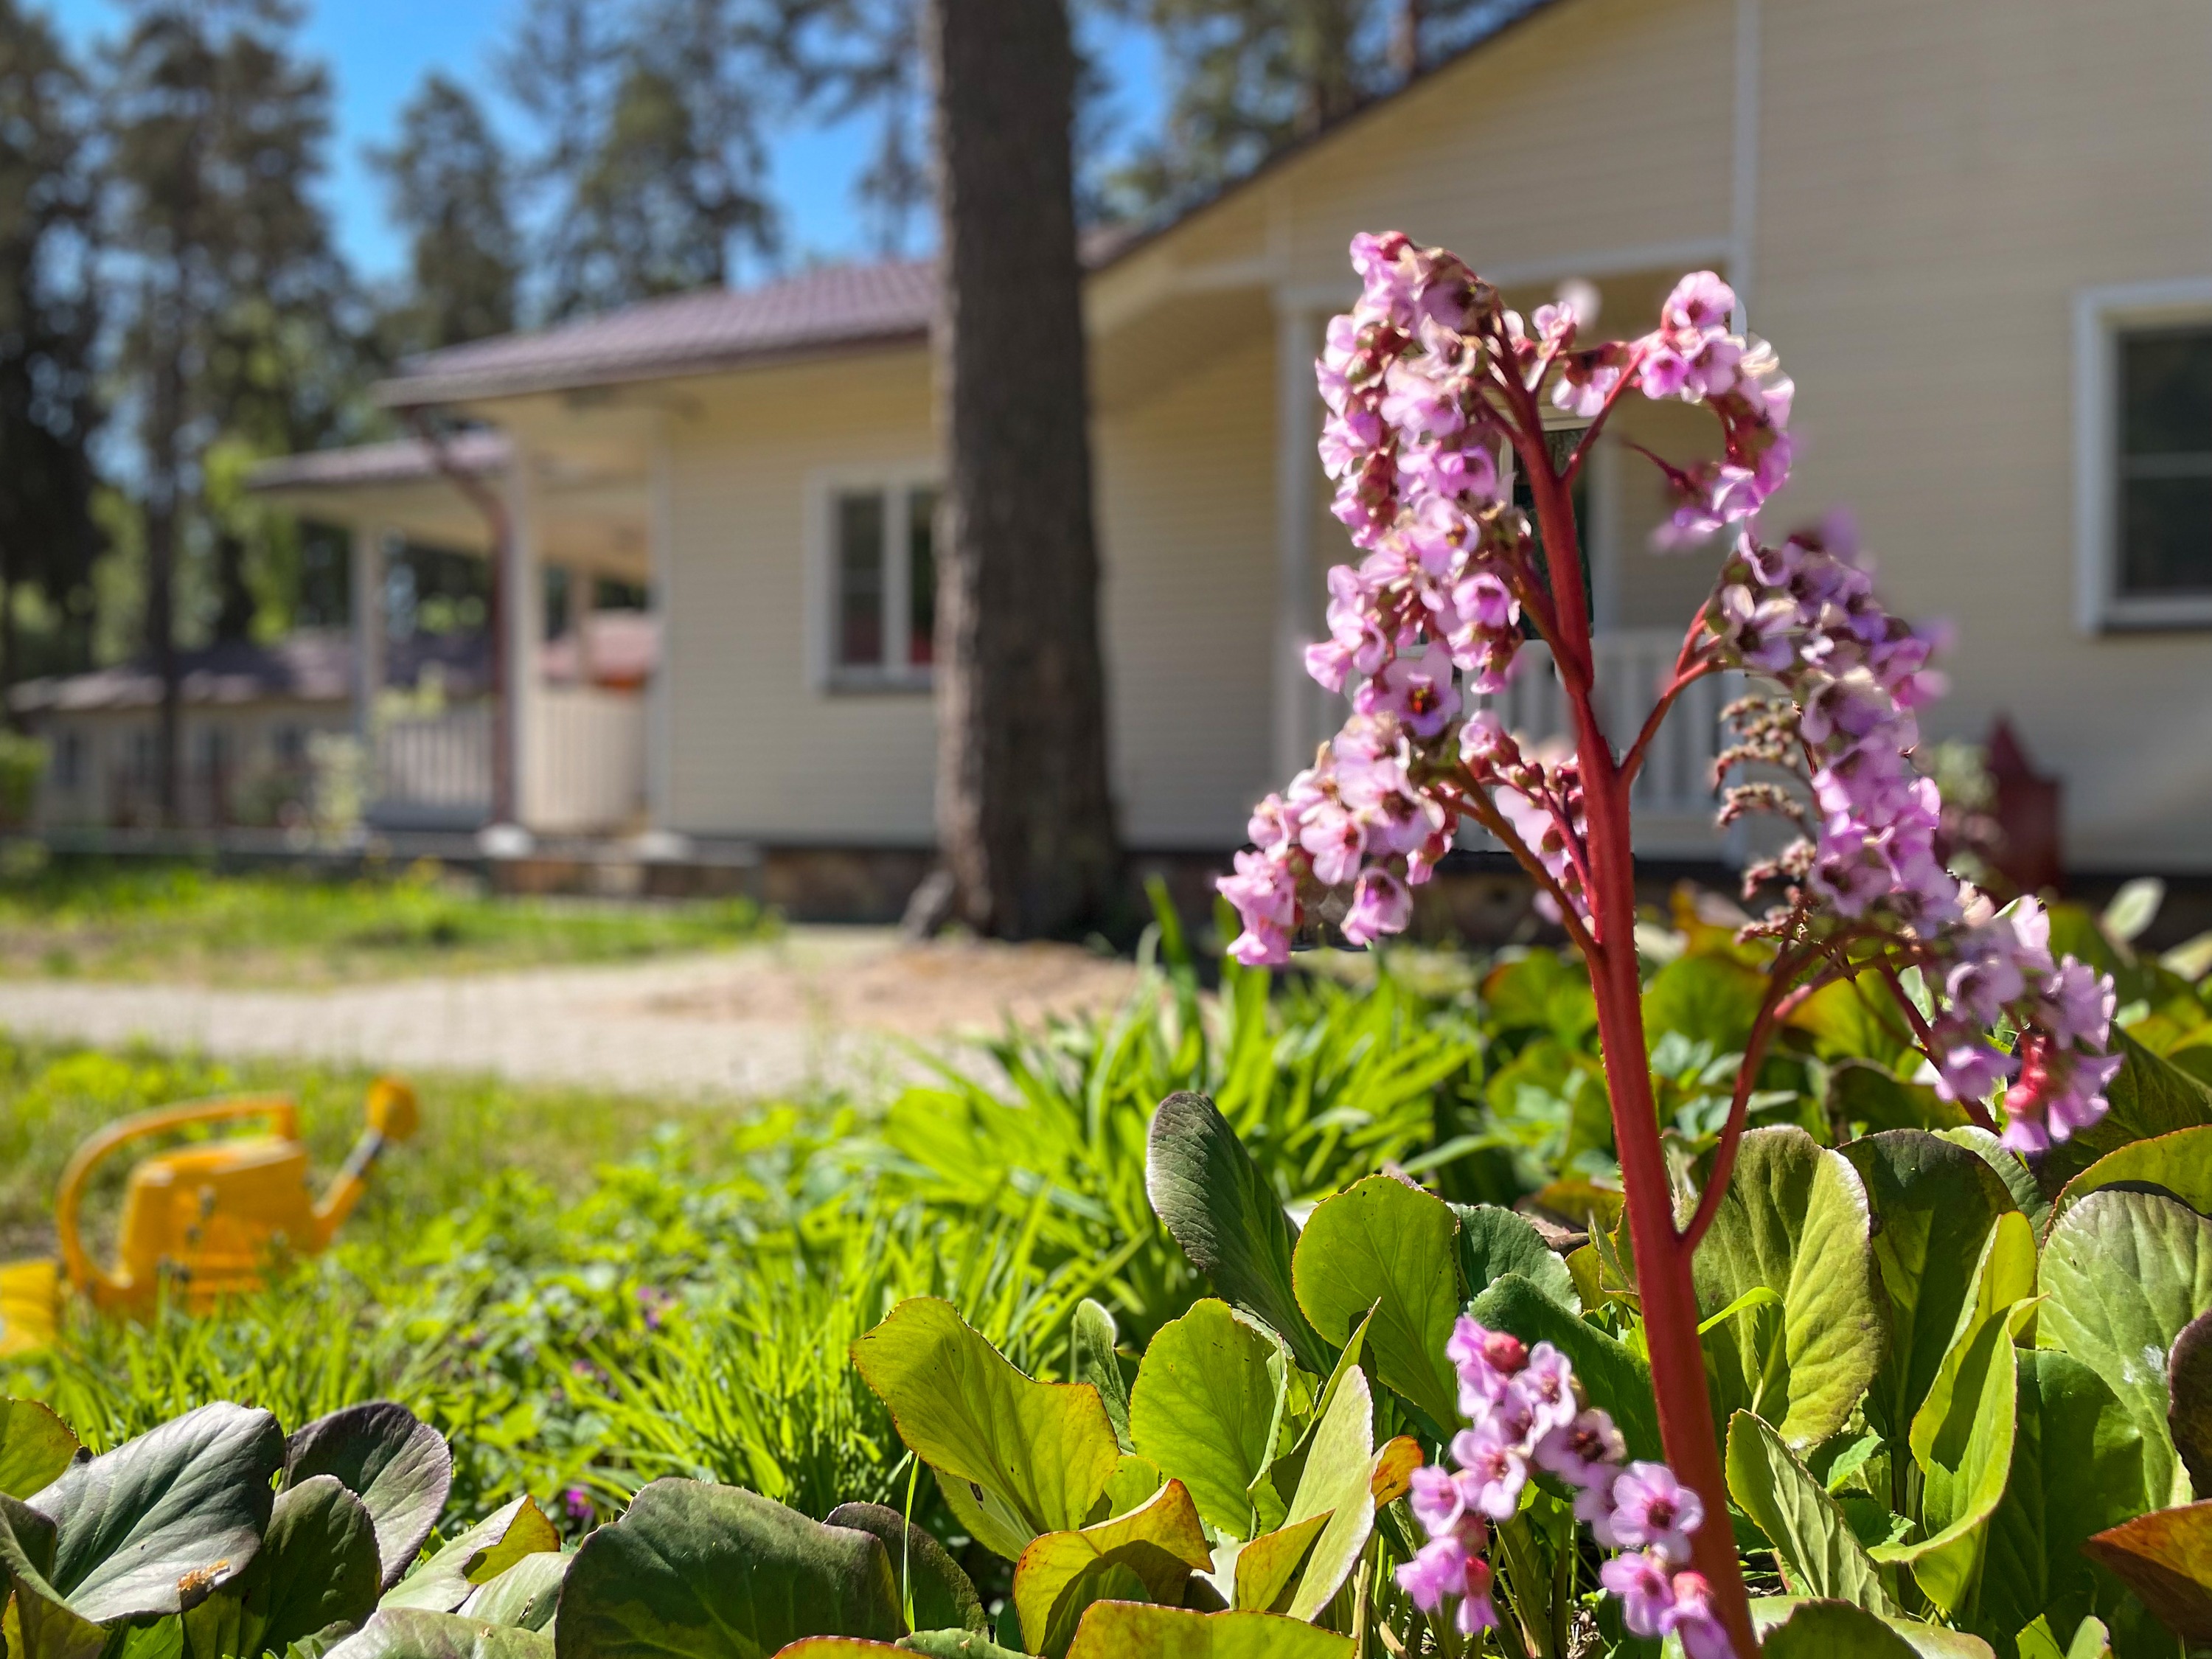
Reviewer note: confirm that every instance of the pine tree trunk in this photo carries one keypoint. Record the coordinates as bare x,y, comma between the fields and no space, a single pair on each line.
1024,816
163,487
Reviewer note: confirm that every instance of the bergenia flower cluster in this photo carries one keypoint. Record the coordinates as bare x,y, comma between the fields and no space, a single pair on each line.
1805,615
1432,390
1525,1411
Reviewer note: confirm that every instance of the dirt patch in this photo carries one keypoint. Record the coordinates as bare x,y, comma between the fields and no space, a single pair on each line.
880,983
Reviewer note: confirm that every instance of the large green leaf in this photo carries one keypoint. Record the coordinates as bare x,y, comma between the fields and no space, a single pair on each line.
1611,1375
1494,1242
1933,1204
1769,1614
476,1556
2076,1469
2180,1161
164,1519
38,1615
35,1447
525,1595
1795,1220
399,1467
2189,1399
2011,1169
1207,1409
2123,1272
1820,1555
2166,1558
2149,1098
1338,1481
1217,1206
1130,1629
1962,1439
319,1563
1384,1244
1145,1555
717,1572
419,1633
940,1594
1030,1457
1833,1630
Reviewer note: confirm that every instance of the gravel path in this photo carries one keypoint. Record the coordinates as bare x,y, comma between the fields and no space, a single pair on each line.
818,1007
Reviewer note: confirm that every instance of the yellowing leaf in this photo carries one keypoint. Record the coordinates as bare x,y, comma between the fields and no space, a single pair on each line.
1153,1549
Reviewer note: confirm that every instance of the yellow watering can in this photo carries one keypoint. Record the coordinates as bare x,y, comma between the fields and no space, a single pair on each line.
206,1219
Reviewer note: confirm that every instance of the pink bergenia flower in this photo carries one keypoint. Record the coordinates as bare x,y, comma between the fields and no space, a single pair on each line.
1584,1451
1545,1389
1495,1466
1417,690
1436,1573
1380,906
1642,1582
1653,1509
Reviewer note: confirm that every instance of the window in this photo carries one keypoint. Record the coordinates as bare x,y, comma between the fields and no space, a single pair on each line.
69,761
2165,462
881,559
2143,456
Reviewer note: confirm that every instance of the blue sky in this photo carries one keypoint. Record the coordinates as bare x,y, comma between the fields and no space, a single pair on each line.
377,51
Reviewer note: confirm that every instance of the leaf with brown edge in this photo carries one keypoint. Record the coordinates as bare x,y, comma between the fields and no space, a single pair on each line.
1148,1553
2165,1558
1266,1567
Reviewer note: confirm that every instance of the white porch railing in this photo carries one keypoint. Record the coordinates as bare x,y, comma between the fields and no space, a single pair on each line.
1673,795
434,769
587,771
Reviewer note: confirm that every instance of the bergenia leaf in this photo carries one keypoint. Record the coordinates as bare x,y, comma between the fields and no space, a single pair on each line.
1384,1245
1219,1208
161,1521
2124,1273
1795,1219
1036,1455
694,1570
400,1468
1205,1410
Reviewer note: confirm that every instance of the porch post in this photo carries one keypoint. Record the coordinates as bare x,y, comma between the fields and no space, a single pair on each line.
365,582
522,620
660,685
1296,432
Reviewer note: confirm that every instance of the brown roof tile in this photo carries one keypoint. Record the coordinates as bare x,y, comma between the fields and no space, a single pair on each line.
685,333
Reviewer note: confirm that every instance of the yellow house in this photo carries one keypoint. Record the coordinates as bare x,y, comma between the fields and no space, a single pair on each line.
1979,234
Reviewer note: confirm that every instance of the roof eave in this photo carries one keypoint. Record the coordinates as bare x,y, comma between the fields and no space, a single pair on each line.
406,391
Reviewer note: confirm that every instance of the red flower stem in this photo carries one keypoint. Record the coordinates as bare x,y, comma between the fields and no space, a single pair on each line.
1662,1258
1782,1001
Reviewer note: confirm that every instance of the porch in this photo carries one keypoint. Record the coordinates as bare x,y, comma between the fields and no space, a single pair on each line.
553,739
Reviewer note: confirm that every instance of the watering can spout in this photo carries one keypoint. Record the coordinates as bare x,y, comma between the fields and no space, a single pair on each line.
392,1113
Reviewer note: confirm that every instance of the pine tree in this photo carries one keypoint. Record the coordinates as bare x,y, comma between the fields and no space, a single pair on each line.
1025,818
450,193
652,152
48,326
215,134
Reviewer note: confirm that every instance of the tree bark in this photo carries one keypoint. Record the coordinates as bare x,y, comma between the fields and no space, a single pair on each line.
1024,817
163,488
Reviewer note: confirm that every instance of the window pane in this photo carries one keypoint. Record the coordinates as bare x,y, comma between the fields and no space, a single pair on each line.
921,576
861,580
2165,535
2165,396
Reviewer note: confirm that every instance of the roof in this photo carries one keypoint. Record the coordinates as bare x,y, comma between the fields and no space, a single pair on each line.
834,307
409,461
684,334
310,666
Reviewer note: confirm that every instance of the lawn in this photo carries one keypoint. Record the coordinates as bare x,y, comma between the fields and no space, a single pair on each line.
182,923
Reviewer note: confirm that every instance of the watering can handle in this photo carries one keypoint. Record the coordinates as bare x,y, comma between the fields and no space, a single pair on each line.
82,1273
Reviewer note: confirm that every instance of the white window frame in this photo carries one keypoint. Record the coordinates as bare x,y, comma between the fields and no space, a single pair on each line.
2100,316
898,481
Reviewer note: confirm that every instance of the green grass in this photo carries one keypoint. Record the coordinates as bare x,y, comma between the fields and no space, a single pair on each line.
52,1096
182,923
